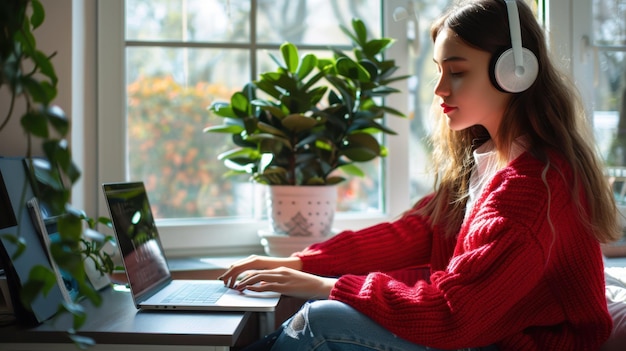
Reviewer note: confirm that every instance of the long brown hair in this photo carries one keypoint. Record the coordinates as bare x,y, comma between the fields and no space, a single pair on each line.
549,115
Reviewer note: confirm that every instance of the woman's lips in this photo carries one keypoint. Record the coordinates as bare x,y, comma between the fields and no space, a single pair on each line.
447,108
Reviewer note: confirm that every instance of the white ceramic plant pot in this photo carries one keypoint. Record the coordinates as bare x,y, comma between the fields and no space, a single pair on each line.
304,211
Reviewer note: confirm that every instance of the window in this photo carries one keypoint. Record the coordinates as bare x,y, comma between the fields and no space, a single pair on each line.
181,55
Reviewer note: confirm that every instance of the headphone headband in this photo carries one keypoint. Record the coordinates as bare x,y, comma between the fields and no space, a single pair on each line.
516,36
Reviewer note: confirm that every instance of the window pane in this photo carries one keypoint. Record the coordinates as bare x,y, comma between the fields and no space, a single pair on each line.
609,30
314,22
188,20
609,109
168,95
609,24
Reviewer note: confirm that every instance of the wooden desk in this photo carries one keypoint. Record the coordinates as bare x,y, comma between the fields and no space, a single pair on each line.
118,325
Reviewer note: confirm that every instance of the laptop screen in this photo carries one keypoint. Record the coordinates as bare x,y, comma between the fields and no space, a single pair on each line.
137,236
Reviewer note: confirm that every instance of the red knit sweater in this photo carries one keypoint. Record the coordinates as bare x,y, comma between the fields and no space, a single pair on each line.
506,278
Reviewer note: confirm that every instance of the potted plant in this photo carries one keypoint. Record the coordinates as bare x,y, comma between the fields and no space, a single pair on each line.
298,125
29,77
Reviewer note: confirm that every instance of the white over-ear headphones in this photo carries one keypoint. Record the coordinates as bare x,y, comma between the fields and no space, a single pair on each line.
516,69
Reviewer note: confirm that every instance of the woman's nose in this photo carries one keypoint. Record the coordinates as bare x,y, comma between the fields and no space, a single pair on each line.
442,87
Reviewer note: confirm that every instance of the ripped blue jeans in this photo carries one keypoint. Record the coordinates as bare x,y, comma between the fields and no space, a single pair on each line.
326,325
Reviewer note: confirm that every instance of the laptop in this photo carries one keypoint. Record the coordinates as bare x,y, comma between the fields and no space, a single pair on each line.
149,277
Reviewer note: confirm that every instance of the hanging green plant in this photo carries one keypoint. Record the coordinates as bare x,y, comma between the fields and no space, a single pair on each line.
30,77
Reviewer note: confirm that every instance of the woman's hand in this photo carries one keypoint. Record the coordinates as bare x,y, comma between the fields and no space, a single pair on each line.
287,281
255,262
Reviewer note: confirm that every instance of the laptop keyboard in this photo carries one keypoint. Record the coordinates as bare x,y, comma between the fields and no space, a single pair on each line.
196,293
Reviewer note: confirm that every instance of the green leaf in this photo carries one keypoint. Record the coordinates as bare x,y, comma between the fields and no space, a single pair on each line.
35,123
383,91
384,151
334,180
58,153
267,83
377,46
249,90
315,181
228,129
26,39
365,125
267,128
40,280
371,68
316,94
45,66
392,111
50,91
290,56
308,63
360,30
297,123
325,64
361,147
348,68
70,228
238,166
283,84
352,169
316,78
239,153
67,256
276,171
49,177
40,91
38,15
12,70
270,137
240,105
73,172
58,120
323,145
270,107
222,109
107,222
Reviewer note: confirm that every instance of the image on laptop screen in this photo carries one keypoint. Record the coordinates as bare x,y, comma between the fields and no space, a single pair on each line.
138,238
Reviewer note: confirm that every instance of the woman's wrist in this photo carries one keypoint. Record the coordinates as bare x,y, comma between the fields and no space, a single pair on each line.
293,263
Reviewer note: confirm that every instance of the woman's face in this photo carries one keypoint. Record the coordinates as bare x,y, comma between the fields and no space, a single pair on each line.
465,92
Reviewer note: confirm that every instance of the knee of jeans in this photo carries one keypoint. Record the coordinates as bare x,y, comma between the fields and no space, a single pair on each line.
314,315
299,323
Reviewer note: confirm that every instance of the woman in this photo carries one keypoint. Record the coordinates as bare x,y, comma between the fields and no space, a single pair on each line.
510,236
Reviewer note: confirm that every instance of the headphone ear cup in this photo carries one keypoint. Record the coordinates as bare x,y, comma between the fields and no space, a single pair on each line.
492,69
506,78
